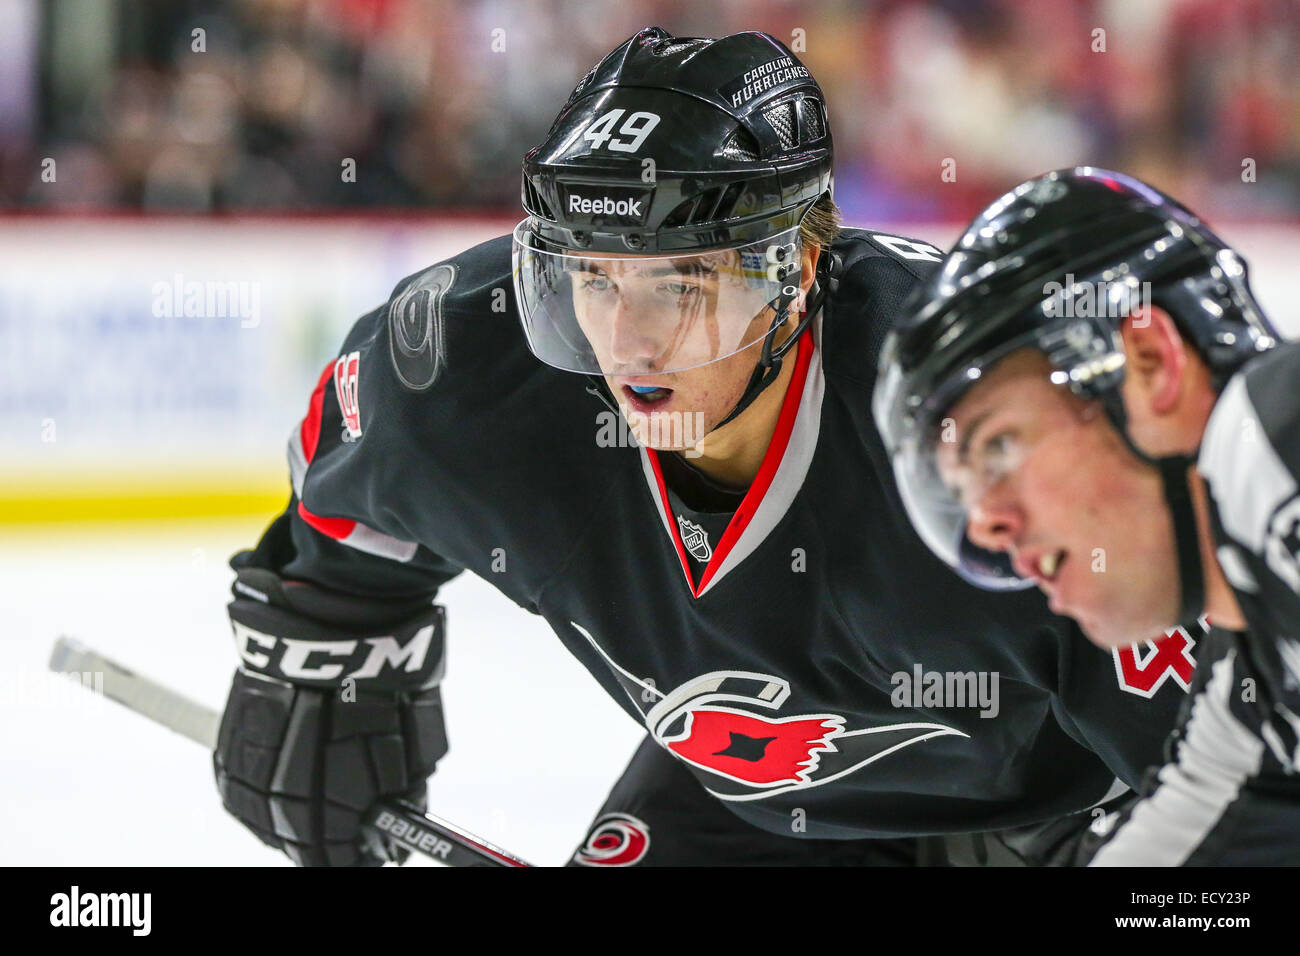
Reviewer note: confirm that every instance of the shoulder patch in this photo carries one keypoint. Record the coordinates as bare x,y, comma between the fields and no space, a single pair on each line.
912,249
1247,479
346,371
416,340
1282,549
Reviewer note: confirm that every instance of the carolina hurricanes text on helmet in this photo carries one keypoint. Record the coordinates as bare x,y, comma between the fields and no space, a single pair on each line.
304,660
762,77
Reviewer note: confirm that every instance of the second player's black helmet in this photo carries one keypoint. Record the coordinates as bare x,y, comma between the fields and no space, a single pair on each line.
1057,264
673,144
1018,274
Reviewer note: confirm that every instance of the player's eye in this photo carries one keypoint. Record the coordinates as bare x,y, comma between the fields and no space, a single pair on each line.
998,455
680,289
596,284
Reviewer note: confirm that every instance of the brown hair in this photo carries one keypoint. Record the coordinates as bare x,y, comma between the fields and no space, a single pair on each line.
821,224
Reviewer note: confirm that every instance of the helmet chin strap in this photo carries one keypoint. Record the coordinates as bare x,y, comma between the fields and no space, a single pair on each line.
1191,572
1178,499
769,361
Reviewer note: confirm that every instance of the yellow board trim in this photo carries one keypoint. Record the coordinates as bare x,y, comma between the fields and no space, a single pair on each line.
119,501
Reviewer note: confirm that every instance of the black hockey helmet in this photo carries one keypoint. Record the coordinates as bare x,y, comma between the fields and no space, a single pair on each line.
673,148
1056,264
701,143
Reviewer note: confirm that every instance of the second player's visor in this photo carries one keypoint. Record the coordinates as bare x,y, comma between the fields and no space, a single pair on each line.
946,469
603,313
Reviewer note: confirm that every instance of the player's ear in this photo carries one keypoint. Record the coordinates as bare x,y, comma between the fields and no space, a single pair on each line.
1156,361
808,262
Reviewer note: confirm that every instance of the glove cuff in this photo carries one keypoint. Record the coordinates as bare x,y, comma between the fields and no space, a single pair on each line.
281,643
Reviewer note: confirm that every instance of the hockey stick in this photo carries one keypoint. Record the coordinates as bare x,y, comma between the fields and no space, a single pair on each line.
405,824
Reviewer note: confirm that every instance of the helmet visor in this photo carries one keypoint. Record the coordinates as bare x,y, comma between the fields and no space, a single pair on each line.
957,466
603,313
938,503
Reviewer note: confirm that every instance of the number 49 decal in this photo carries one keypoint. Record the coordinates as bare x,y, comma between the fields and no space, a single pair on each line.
638,126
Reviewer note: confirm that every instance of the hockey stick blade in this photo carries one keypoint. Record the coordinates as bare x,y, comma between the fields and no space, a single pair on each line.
397,821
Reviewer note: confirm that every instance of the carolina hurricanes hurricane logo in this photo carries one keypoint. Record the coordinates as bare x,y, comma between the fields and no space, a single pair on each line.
749,756
754,750
726,726
616,839
1144,670
345,386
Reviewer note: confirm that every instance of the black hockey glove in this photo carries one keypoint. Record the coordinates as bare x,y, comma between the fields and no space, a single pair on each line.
333,708
1055,843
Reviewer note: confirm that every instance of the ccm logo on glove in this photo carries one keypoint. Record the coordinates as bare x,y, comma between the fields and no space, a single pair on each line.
304,661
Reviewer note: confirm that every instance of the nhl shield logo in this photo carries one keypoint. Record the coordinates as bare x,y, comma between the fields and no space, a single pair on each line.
695,539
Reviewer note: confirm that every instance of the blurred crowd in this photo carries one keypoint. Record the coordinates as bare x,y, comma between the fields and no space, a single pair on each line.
936,105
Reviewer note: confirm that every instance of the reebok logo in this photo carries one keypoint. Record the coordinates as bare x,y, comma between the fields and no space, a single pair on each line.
604,206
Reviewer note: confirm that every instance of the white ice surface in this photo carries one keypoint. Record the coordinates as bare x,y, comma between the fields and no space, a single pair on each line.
535,743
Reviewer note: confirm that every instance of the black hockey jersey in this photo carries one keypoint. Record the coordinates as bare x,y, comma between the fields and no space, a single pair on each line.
809,657
1231,793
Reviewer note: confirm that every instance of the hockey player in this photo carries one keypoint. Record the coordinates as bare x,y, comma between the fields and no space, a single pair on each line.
740,577
1088,386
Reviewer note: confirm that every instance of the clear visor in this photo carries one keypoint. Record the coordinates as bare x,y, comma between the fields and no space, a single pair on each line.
604,313
954,483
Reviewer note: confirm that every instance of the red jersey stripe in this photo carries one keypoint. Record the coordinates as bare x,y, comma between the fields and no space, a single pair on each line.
336,528
310,429
771,461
